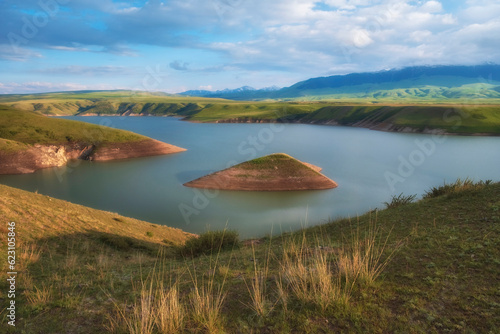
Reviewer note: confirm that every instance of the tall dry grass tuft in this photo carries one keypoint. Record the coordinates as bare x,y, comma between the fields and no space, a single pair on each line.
261,305
283,295
206,301
363,259
159,308
169,311
208,295
141,318
310,277
28,254
39,296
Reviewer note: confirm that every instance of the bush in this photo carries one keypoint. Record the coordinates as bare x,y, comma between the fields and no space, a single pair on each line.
210,242
399,200
456,187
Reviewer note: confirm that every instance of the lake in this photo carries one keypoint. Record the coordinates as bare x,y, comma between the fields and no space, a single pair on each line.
369,167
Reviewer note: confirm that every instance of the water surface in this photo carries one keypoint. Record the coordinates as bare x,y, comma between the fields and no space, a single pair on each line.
369,166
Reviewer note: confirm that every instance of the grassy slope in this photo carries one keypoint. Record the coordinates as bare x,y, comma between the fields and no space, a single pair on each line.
454,119
74,267
18,128
73,253
107,103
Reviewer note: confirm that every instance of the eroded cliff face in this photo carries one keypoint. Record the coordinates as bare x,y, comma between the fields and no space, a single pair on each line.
45,156
50,156
38,157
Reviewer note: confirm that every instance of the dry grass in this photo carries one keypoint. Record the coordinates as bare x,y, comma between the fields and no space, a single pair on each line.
139,319
71,261
28,254
169,311
310,277
362,260
39,296
257,287
206,301
207,296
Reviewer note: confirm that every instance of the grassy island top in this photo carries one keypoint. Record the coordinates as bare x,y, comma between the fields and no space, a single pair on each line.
18,127
279,164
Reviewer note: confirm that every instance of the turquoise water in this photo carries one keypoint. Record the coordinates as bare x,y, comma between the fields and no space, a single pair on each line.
369,166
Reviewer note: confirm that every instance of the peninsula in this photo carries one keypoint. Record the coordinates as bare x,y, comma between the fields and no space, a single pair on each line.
275,172
30,141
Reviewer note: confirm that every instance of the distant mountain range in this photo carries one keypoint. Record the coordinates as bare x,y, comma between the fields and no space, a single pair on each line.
228,93
418,82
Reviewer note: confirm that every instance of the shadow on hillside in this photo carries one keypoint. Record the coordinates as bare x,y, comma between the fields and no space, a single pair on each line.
92,241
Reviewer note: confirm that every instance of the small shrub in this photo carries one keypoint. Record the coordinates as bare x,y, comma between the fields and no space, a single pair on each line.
399,200
456,187
210,242
149,234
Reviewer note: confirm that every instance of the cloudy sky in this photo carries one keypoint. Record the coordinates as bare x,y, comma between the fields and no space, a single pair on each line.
176,45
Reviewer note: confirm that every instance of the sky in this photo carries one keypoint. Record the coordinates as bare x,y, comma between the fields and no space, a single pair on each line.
178,45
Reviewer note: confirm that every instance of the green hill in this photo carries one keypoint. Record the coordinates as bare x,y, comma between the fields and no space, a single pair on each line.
425,267
106,103
31,128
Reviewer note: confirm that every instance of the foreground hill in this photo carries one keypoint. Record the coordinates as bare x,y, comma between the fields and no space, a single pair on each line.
29,141
425,267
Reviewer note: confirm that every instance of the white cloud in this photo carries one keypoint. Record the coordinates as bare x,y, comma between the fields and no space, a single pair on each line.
432,7
420,35
7,52
40,86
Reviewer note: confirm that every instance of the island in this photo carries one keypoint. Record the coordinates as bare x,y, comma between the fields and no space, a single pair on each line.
274,172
